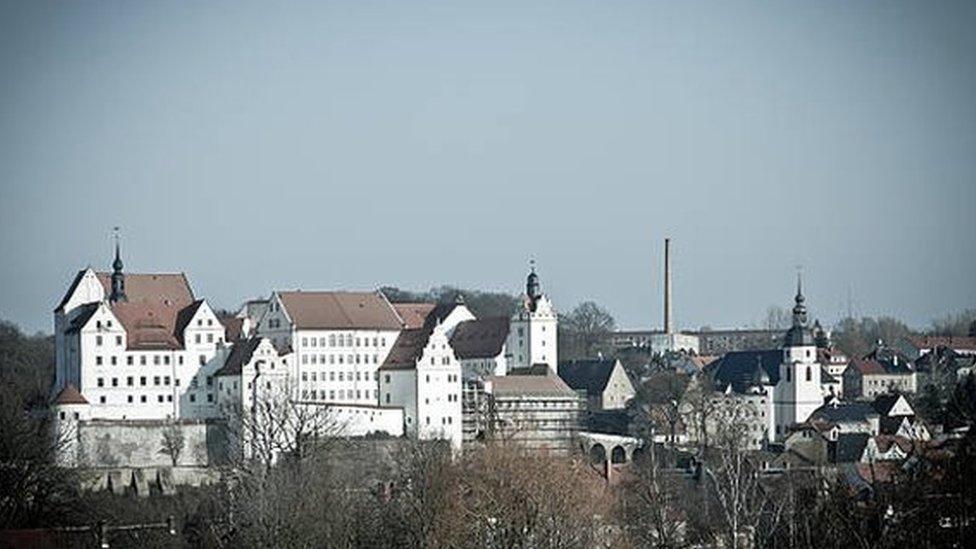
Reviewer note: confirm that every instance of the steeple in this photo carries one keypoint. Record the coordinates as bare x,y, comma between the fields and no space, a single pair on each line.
118,278
532,288
799,310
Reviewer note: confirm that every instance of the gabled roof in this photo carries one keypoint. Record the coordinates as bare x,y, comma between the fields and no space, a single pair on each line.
890,425
340,310
70,395
85,312
413,314
233,327
590,375
885,402
183,319
480,338
844,412
867,366
849,447
529,386
150,315
240,354
71,290
740,368
407,349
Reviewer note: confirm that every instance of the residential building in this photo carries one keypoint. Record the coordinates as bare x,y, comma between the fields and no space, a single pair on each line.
914,347
870,377
602,382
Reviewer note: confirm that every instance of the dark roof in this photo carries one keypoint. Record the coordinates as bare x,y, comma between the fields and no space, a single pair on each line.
240,354
849,447
534,370
799,336
885,402
85,313
590,375
71,290
740,368
839,412
233,328
529,386
183,319
407,349
70,395
952,342
480,338
825,376
890,425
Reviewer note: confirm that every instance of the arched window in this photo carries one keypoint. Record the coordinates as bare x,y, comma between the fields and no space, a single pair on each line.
787,373
809,374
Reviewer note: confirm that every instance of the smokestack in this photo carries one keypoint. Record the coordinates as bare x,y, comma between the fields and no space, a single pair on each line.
668,317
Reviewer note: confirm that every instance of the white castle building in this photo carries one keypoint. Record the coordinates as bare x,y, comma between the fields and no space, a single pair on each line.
137,346
143,347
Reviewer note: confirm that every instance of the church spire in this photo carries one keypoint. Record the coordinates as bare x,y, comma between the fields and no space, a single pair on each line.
799,309
118,278
532,283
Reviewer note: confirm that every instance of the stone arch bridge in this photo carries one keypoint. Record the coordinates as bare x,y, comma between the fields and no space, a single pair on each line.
605,448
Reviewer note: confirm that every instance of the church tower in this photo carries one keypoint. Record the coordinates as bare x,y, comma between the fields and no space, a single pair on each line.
532,329
118,278
798,392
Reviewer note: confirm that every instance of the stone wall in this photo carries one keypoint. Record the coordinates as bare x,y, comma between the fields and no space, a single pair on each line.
105,443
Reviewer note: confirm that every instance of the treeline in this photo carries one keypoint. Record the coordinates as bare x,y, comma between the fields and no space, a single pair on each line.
26,363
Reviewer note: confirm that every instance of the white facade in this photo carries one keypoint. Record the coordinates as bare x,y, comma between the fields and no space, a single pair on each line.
428,389
532,337
799,391
124,377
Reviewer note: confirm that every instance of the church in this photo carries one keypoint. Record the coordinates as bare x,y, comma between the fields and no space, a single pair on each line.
784,386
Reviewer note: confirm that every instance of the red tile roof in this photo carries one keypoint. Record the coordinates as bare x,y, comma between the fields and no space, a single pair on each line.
867,366
952,342
340,310
70,395
151,315
414,314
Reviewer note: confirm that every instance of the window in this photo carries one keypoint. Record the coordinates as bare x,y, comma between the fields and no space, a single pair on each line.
180,359
142,380
428,420
142,399
332,341
118,340
166,360
101,382
314,342
142,360
98,361
209,397
387,398
304,376
209,322
787,373
209,381
304,359
169,398
203,360
159,398
156,360
193,397
115,382
196,338
101,399
114,360
166,380
128,381
129,399
809,374
98,340
128,360
209,338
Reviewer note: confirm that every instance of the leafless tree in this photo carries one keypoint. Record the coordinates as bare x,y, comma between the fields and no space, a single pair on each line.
173,443
651,506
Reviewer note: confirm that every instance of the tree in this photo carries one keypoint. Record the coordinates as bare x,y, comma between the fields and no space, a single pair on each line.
34,490
777,318
857,337
585,329
651,505
173,442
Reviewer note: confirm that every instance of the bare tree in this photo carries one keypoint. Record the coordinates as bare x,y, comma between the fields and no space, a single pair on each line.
173,443
651,506
734,474
585,329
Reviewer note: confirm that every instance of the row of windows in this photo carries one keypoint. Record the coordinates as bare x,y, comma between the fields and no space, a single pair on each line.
341,394
99,340
343,376
144,360
144,380
337,340
143,399
342,359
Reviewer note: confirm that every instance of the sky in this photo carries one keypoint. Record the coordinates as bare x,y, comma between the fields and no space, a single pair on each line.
349,145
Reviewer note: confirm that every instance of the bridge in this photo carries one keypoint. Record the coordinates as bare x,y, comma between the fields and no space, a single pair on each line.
605,448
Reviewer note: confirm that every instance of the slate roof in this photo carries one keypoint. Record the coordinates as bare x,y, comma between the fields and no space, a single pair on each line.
407,349
85,313
844,412
891,425
240,354
183,319
849,447
70,395
884,403
739,368
340,310
590,375
233,328
71,290
480,338
533,386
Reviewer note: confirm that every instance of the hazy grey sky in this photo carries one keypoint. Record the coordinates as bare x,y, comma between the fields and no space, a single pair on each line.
342,145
